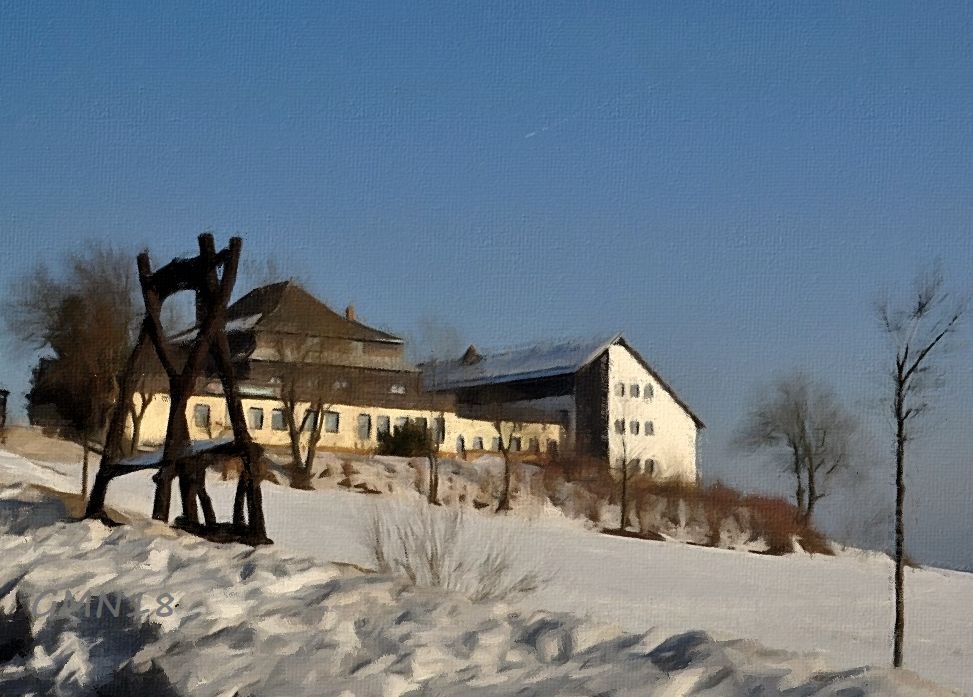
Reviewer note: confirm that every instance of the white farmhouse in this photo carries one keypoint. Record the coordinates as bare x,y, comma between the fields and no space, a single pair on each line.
610,403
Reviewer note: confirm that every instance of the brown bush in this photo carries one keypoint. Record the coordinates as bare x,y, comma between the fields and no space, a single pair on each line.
712,509
778,522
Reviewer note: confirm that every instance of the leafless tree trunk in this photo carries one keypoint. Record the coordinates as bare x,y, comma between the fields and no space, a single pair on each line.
504,446
314,436
916,329
138,415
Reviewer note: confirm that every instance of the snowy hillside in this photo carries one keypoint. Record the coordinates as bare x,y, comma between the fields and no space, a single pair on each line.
369,636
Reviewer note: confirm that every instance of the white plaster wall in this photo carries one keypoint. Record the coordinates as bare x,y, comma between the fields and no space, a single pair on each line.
673,445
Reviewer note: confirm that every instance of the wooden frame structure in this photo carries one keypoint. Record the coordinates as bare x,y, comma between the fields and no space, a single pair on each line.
211,276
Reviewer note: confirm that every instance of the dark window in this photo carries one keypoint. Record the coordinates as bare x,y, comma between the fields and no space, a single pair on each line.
552,447
633,390
634,427
649,392
382,425
620,426
255,418
534,445
649,428
620,389
201,415
422,423
310,421
364,427
460,445
331,421
649,466
515,444
477,443
439,429
401,421
277,420
495,445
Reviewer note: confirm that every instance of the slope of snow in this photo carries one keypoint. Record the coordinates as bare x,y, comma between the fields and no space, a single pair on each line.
839,608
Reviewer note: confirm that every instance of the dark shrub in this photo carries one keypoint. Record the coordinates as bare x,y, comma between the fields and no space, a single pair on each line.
410,440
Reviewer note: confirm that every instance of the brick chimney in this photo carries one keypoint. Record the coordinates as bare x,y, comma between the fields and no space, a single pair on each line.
350,313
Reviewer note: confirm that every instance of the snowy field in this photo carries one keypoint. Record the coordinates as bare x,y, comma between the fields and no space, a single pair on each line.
837,609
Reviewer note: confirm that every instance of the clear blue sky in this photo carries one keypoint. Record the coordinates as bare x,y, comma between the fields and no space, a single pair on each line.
730,184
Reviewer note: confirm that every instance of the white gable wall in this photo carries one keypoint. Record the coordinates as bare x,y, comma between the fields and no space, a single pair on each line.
673,445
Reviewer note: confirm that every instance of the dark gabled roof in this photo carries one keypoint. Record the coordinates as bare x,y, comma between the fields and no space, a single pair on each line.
534,362
288,308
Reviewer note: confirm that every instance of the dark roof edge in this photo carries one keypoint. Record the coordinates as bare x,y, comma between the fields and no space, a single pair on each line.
658,378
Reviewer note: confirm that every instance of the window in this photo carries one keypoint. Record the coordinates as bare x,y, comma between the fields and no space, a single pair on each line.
495,445
649,466
648,392
400,422
552,447
382,425
255,418
620,426
340,385
439,429
422,423
649,428
277,420
397,389
534,445
633,390
477,443
634,428
310,421
460,445
515,444
331,421
201,416
619,389
634,464
364,427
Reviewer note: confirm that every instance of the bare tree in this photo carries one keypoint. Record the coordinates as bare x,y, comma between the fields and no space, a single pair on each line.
84,319
437,431
304,378
437,342
630,451
918,329
506,433
802,420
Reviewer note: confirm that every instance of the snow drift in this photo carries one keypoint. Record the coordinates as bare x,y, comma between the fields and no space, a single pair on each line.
143,609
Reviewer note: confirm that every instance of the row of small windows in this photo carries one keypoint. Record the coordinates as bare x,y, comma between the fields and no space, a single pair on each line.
332,422
647,466
635,390
383,424
634,427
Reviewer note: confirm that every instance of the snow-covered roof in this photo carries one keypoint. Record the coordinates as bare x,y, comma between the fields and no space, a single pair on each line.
532,362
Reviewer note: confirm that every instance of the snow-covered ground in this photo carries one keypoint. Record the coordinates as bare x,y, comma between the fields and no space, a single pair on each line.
839,608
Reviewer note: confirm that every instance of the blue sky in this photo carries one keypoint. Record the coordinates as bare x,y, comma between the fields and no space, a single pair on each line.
730,184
